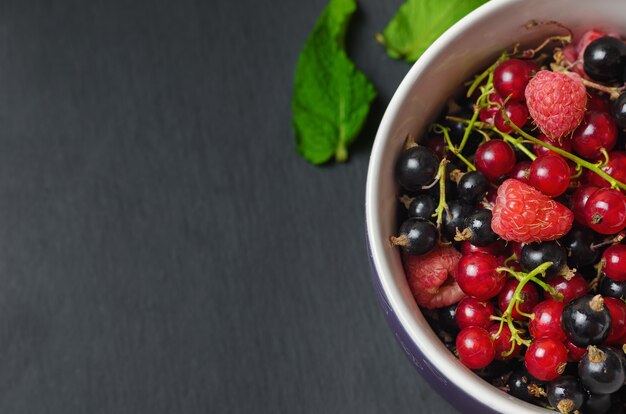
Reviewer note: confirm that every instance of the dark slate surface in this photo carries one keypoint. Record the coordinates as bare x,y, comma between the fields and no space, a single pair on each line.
162,247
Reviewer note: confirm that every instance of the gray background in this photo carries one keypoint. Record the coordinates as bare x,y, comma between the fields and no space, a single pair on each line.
163,249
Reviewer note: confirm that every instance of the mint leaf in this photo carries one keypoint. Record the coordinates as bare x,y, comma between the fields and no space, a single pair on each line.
331,97
419,22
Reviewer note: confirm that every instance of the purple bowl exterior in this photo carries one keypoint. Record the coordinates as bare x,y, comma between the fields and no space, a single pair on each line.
456,396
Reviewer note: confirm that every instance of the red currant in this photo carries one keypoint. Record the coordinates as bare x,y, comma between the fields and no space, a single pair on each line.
574,353
436,142
597,102
529,295
549,174
473,312
517,113
578,201
488,114
615,167
502,343
545,359
475,347
596,131
571,288
546,322
494,158
491,197
521,171
511,77
564,144
605,211
477,276
617,309
494,249
614,260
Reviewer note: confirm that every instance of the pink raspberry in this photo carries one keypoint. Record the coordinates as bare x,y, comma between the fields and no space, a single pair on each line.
524,214
431,277
556,102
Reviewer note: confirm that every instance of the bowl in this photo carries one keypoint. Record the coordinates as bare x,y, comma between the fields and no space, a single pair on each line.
471,44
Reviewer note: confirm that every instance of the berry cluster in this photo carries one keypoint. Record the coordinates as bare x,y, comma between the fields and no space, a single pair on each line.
512,215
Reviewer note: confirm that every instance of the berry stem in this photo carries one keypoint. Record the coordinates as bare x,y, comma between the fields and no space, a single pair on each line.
565,154
517,298
605,154
552,291
511,258
468,129
515,141
593,284
579,161
443,206
438,128
609,241
487,73
406,201
530,53
612,92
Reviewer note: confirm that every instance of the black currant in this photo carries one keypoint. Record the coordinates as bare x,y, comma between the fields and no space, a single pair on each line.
578,244
447,319
524,386
601,370
423,207
472,187
604,59
619,110
496,369
534,254
416,167
458,212
566,394
478,227
597,404
586,321
416,236
612,288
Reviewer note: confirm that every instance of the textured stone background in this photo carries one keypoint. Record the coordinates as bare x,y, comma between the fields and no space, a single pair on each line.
163,249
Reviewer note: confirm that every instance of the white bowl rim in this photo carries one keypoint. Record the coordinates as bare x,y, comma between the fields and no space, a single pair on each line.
445,363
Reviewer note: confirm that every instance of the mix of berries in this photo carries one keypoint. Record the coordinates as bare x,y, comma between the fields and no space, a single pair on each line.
512,219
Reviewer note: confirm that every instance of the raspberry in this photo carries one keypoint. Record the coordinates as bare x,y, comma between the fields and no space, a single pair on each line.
431,277
556,102
523,214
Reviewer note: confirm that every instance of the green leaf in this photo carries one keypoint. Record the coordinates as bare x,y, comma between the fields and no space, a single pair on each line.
419,22
331,97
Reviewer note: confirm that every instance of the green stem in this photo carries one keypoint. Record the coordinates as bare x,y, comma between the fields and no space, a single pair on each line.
565,154
516,299
605,154
511,258
541,269
489,71
579,161
552,291
440,128
507,138
468,129
524,314
443,206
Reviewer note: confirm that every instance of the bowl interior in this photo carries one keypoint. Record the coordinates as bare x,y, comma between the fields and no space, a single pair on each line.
453,59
